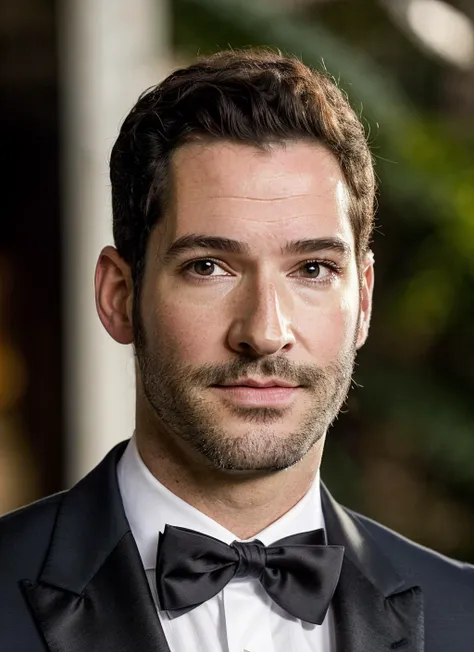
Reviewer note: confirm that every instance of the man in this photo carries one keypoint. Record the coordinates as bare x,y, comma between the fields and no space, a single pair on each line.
243,195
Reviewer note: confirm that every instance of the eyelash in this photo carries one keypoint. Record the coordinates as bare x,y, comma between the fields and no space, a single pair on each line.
330,265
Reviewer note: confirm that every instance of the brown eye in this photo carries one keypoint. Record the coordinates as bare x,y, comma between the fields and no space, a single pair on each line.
204,267
311,270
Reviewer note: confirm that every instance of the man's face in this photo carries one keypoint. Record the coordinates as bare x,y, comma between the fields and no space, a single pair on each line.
251,309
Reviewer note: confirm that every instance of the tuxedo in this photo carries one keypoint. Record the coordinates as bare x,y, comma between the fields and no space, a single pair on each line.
71,580
240,614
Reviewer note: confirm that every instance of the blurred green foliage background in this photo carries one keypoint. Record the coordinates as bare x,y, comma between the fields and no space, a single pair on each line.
403,451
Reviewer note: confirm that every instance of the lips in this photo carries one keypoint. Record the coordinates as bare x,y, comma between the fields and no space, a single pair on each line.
257,383
252,393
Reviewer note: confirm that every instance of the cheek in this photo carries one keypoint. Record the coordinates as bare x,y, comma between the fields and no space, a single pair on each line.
330,330
185,331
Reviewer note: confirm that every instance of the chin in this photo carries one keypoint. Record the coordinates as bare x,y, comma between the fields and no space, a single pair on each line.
257,452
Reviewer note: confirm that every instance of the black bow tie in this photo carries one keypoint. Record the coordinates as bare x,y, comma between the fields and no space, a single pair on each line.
300,573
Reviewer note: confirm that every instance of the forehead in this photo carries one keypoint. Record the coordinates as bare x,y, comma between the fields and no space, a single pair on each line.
287,191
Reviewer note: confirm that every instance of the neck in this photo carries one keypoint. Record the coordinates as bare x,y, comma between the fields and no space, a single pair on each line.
244,503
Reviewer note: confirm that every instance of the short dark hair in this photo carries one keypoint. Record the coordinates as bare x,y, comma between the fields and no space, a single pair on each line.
249,96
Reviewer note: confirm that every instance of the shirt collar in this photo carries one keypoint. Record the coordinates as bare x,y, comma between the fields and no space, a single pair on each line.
149,506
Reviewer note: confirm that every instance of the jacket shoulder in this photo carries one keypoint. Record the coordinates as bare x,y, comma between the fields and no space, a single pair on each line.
25,536
434,572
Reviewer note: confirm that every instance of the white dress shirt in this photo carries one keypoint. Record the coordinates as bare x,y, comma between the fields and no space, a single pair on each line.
242,617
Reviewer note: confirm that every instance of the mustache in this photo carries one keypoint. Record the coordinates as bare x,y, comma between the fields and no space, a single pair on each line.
230,372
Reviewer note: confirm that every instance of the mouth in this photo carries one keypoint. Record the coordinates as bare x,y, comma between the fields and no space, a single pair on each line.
252,392
259,383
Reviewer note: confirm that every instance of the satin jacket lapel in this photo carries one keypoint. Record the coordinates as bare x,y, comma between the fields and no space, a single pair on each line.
375,609
92,594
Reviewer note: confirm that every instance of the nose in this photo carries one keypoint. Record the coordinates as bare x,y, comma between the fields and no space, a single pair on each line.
262,325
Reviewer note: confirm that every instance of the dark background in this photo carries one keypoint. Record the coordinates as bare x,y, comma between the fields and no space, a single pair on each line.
403,451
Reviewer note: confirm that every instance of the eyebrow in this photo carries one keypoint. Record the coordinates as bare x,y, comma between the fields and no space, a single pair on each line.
311,245
294,247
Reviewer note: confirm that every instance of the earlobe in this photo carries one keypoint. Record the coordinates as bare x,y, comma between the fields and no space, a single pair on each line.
114,295
366,293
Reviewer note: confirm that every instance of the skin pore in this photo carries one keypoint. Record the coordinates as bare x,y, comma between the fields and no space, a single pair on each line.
250,275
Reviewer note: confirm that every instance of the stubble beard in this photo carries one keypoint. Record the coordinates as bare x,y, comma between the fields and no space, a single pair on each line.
176,394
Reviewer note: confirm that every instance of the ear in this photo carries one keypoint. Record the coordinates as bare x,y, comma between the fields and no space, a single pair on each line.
114,295
366,292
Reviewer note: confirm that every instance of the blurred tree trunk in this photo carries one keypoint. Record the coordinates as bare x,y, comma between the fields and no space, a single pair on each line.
110,51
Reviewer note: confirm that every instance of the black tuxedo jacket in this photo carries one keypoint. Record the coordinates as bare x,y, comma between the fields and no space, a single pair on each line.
71,580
